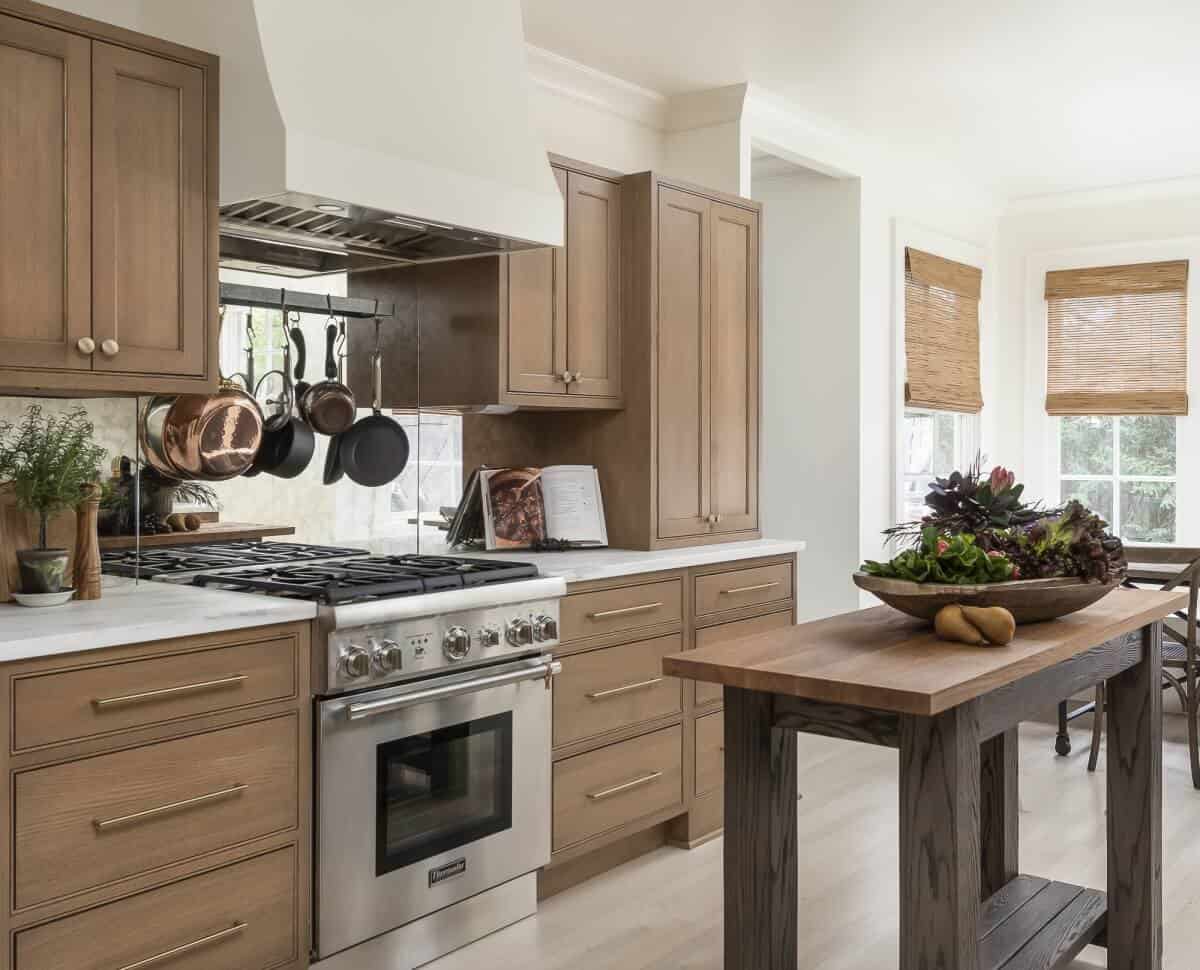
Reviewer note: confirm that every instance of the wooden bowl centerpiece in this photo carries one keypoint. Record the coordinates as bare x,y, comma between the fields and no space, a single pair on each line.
1029,600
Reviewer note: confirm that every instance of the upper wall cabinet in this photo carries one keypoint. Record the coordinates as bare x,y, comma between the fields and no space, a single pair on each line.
108,192
679,466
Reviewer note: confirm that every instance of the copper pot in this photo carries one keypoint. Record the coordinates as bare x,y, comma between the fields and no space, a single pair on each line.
210,437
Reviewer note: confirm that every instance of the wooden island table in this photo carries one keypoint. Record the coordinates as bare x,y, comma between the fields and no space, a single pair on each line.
952,710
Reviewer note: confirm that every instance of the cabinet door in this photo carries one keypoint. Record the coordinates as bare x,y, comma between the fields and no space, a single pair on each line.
149,267
593,285
734,366
537,317
45,197
683,363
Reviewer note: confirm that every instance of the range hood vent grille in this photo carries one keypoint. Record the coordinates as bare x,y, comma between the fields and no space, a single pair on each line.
295,235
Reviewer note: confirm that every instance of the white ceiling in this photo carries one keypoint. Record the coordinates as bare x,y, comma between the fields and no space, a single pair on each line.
1032,96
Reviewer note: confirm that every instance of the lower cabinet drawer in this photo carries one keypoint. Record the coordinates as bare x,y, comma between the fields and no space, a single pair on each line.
743,587
623,608
710,752
610,786
90,822
604,690
709,693
240,917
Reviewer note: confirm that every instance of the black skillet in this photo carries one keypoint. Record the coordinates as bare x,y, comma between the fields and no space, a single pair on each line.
375,450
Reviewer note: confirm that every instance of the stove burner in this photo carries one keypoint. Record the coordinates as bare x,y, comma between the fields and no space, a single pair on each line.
214,555
367,577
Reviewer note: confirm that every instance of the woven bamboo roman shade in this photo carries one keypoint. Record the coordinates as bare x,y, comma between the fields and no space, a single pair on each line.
941,333
1116,339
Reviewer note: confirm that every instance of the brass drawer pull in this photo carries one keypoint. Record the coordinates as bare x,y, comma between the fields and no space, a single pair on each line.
150,695
617,789
177,951
749,589
103,824
605,614
613,691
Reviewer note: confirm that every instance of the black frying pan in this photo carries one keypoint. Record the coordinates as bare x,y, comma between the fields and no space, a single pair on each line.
286,452
375,450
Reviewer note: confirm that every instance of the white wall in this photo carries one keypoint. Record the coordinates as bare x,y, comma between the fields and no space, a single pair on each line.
577,129
811,344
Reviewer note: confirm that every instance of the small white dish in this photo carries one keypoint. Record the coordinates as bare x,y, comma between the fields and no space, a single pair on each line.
44,599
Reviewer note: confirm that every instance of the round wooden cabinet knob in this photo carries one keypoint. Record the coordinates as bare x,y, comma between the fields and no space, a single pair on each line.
86,345
110,348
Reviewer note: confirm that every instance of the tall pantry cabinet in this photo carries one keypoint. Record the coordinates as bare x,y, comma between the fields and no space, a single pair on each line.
679,466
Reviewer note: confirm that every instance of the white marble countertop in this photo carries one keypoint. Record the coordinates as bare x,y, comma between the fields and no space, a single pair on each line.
136,612
580,565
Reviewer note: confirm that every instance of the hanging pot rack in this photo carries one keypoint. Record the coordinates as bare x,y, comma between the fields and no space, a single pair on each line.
348,307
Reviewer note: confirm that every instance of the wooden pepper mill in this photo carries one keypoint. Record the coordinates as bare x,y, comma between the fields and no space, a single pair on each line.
87,545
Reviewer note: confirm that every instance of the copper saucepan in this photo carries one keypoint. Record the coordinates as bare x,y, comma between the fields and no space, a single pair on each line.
210,437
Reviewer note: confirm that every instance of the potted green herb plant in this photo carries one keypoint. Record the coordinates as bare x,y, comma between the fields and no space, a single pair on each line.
48,461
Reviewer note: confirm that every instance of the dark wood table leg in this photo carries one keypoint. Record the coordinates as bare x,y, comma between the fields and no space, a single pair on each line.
1062,740
940,840
999,806
1134,722
761,894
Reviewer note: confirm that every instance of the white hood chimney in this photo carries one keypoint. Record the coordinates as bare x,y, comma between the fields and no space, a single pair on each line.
413,116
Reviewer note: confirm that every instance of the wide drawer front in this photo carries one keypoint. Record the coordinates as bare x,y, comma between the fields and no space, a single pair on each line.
610,786
743,587
242,916
707,693
616,687
624,608
710,752
90,822
73,704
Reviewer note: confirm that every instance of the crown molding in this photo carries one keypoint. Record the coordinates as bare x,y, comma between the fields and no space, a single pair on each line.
567,78
1130,192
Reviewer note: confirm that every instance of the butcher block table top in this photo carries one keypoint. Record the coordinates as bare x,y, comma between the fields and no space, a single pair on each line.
881,659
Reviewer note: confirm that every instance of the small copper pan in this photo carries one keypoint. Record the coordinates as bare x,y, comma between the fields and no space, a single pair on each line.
210,437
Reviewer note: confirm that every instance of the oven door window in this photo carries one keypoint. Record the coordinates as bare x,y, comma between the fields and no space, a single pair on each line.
442,789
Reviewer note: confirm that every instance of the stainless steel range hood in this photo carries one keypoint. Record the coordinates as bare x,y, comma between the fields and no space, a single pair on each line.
370,133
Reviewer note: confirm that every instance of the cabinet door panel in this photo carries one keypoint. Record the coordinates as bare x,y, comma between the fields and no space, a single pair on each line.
683,362
537,317
593,285
45,190
735,368
149,168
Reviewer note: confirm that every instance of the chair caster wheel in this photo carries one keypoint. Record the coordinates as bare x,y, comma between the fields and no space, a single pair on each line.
1062,744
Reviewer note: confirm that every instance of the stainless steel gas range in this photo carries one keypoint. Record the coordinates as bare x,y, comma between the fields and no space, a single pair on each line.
432,723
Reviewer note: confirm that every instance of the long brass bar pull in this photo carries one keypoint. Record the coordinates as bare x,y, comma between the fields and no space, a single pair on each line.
613,691
151,695
749,589
178,951
605,614
103,824
617,789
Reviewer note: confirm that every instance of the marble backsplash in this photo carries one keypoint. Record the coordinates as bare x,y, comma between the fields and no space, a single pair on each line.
384,519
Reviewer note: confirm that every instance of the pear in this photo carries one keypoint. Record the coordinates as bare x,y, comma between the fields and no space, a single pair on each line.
951,624
994,622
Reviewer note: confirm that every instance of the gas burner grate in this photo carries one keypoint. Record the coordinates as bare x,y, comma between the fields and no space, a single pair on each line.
215,555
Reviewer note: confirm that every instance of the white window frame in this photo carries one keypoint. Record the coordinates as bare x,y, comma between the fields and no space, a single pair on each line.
966,447
976,430
1042,459
1117,479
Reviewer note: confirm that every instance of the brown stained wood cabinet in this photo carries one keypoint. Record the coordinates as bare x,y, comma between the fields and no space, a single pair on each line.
108,208
679,466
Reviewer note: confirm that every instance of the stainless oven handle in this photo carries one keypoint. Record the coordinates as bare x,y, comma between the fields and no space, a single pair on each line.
543,670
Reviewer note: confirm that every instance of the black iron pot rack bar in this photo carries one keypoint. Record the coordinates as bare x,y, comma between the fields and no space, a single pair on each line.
349,307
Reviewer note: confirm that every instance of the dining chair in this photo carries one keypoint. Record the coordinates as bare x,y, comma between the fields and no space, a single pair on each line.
1168,567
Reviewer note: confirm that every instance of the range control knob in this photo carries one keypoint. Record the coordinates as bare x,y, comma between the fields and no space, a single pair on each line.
388,656
356,662
456,643
545,628
520,633
489,636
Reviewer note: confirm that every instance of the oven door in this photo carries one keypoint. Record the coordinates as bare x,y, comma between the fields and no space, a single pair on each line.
428,793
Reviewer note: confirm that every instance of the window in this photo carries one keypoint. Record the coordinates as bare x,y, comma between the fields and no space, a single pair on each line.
1124,469
935,444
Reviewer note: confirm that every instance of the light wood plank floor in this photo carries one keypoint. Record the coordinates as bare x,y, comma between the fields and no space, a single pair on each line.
663,911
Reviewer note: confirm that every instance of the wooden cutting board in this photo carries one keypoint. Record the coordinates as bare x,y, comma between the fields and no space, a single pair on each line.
19,530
